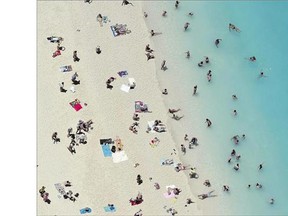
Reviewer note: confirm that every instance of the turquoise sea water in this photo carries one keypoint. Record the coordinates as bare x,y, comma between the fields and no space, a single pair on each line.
262,105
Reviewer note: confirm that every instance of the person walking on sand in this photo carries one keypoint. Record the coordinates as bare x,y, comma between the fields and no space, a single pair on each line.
217,42
187,54
195,90
163,66
186,26
125,2
209,123
164,13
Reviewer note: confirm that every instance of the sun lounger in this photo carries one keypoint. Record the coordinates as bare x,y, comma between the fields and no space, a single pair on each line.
60,188
76,104
66,68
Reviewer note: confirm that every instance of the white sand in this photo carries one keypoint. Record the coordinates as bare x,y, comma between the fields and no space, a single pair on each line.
98,180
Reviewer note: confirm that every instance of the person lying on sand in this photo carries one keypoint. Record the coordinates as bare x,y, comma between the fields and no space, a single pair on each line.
148,49
207,195
173,110
177,118
149,56
125,2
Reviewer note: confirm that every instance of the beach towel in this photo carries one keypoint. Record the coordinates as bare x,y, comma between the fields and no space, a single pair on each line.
125,88
85,210
66,68
114,31
132,83
119,29
166,162
119,156
56,53
166,195
76,105
110,209
106,150
60,188
140,107
150,125
122,73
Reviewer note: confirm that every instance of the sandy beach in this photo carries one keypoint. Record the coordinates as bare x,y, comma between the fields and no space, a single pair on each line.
98,180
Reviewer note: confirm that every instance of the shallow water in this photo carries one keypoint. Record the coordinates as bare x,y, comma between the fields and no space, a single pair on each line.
262,105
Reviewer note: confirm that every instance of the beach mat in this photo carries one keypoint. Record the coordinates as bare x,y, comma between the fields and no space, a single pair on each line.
106,150
66,68
85,210
109,209
122,73
119,156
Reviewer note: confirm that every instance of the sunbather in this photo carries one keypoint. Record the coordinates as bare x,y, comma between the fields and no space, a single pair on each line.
148,49
125,2
173,110
176,117
149,56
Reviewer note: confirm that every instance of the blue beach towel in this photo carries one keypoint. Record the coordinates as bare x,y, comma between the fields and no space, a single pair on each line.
85,210
109,209
106,150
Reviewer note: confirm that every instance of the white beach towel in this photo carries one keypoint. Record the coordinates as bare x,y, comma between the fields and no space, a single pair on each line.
125,88
131,81
150,125
119,156
72,89
60,188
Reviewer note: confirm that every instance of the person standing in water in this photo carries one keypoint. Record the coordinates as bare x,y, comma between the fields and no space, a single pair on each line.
195,90
177,4
164,13
186,26
217,42
187,54
260,166
209,123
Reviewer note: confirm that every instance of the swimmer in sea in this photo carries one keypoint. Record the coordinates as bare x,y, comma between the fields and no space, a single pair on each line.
177,4
235,112
233,153
234,97
259,186
271,201
186,26
217,42
261,75
237,167
229,160
243,136
206,59
187,54
200,64
190,14
260,166
252,58
233,27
